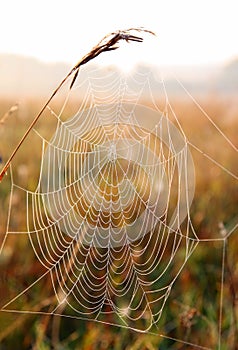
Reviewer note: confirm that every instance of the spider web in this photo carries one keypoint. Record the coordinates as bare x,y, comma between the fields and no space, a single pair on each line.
107,212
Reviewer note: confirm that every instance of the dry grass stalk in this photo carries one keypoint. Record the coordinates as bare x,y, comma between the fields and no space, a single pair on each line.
108,43
13,109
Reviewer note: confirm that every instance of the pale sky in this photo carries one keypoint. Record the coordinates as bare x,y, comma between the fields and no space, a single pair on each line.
189,32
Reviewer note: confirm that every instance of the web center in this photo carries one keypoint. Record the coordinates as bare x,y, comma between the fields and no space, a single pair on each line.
112,153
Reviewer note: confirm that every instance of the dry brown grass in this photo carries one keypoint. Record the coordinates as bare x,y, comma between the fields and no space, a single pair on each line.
194,304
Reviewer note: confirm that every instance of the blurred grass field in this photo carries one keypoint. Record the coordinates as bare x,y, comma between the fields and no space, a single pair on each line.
192,311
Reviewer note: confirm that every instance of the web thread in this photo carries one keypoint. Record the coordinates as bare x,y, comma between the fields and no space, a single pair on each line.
108,218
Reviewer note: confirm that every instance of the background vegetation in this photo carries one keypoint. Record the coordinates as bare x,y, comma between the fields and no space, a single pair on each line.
192,312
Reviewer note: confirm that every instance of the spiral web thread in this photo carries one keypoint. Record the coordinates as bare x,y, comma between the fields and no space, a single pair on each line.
110,214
